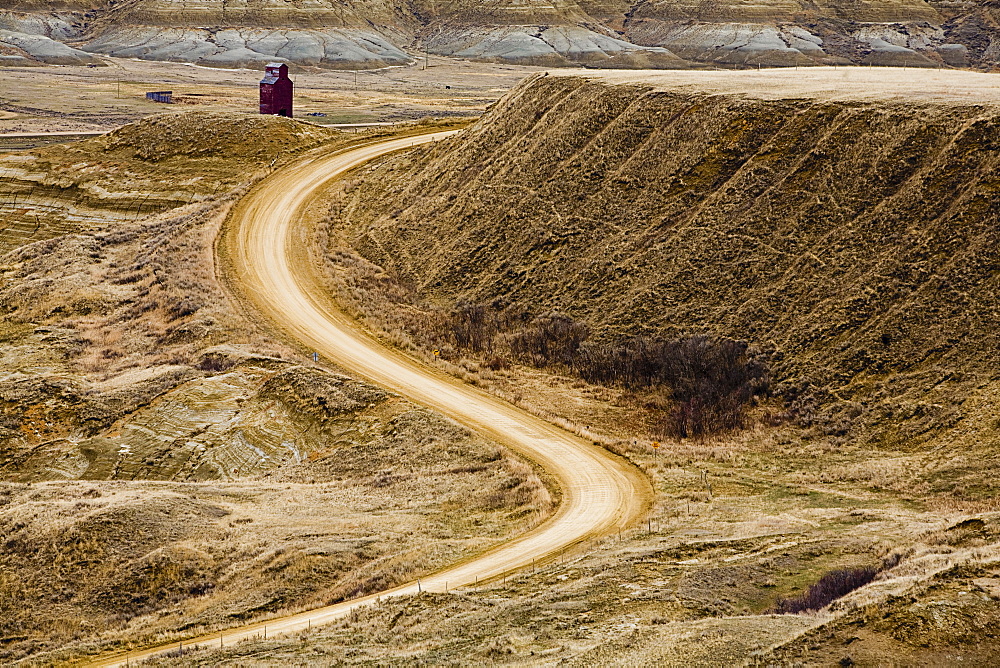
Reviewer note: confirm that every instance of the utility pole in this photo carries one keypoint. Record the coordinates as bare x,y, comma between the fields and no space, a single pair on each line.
427,62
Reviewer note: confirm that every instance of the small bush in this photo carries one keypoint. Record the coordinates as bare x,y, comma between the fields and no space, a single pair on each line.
183,307
711,379
830,587
550,340
214,362
700,385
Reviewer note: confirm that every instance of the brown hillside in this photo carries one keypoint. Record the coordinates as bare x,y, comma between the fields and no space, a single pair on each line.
854,238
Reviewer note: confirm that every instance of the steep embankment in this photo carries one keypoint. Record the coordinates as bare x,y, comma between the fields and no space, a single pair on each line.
856,238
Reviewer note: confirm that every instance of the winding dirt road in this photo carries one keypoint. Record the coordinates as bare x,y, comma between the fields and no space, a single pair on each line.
600,492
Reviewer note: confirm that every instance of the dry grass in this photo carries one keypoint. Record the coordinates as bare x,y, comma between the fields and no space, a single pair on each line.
99,565
690,591
742,521
160,164
125,360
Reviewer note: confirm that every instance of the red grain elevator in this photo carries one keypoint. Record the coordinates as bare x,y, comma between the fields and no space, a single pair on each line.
276,91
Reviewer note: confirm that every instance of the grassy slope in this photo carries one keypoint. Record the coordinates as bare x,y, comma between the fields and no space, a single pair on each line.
856,240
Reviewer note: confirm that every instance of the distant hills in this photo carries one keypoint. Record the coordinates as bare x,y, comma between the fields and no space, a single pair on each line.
600,33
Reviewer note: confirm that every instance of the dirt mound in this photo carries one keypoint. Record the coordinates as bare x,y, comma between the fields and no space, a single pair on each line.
214,134
154,165
98,564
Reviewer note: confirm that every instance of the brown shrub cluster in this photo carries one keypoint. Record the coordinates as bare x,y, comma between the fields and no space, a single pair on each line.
828,589
711,381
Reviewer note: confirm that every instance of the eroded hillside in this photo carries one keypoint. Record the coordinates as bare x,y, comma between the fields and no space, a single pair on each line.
617,33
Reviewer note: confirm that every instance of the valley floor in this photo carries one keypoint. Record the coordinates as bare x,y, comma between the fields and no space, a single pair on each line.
35,99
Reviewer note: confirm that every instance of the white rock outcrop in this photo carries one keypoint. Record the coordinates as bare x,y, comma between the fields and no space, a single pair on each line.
27,47
367,34
344,48
543,45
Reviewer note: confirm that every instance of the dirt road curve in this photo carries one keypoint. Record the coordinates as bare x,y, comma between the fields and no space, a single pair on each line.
601,493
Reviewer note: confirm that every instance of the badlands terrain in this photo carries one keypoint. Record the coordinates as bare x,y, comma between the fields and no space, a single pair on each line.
594,33
771,292
99,385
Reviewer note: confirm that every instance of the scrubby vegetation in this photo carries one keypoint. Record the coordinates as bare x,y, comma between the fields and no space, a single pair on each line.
709,382
828,589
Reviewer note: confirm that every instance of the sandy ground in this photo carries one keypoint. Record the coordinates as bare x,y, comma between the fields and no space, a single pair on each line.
58,98
822,83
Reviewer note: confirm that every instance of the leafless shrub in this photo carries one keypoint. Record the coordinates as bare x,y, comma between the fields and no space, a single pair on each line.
214,362
712,379
550,340
709,381
829,588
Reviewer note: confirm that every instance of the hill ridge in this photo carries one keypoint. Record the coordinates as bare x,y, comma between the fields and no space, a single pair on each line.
372,34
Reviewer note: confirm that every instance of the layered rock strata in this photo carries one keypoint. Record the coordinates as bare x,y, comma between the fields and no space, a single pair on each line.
605,33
